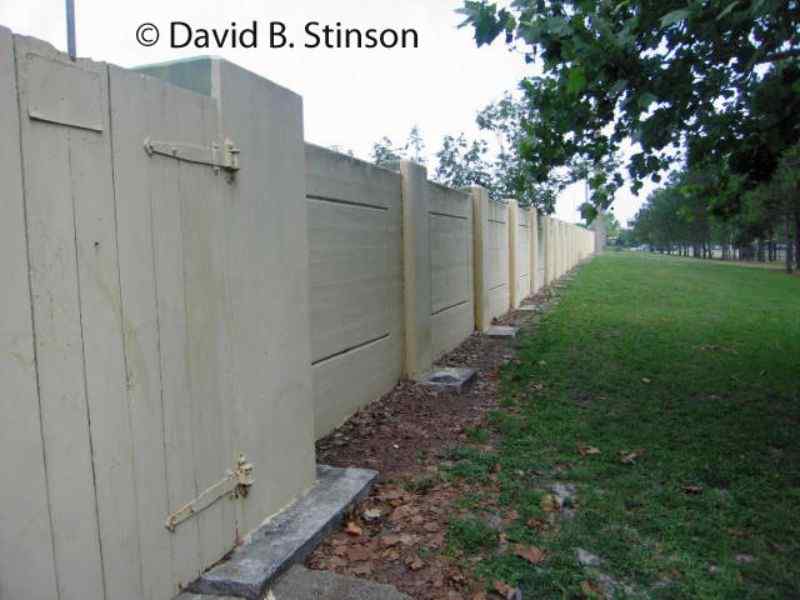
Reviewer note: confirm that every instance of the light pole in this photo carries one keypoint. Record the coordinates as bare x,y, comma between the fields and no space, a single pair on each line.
71,28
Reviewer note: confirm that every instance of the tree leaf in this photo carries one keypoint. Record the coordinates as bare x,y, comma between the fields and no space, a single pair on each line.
353,529
532,554
576,80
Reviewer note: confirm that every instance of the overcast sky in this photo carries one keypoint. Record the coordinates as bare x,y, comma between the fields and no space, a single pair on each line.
352,97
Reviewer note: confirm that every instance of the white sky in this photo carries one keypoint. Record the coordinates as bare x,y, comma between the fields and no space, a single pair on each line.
352,97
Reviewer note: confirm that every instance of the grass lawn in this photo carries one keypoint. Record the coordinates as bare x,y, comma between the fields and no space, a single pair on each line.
668,393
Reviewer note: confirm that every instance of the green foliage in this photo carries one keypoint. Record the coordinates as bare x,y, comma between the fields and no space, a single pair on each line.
462,164
470,535
679,79
385,153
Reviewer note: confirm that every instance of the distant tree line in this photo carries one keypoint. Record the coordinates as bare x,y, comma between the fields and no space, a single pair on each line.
690,215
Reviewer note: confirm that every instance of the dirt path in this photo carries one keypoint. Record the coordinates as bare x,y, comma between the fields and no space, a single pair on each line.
397,534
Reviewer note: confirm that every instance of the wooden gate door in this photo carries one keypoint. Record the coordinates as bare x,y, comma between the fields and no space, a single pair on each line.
171,182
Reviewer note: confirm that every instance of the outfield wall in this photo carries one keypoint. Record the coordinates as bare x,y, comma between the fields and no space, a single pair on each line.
193,296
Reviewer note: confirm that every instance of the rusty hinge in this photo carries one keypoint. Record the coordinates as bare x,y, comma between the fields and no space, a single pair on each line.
225,157
236,483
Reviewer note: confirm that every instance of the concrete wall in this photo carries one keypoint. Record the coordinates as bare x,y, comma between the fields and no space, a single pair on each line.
163,315
355,283
452,310
523,249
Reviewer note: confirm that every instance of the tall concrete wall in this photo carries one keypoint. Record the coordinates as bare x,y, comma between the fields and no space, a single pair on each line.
355,284
164,314
450,226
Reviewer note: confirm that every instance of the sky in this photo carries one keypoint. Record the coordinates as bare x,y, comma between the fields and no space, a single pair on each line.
352,97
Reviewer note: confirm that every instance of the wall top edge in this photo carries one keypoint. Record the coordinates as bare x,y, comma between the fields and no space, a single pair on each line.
347,158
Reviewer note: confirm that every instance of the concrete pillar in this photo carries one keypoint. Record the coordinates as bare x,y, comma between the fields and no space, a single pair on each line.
480,223
600,234
416,269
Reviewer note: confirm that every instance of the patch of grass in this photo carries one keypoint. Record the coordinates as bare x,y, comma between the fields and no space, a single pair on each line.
477,435
471,464
470,536
694,368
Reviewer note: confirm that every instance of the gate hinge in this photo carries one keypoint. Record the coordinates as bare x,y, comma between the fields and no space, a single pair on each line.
235,483
225,157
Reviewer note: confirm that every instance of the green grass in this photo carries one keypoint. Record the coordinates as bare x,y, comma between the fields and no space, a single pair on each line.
698,366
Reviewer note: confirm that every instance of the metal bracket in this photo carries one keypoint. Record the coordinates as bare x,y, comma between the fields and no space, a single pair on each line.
226,157
236,483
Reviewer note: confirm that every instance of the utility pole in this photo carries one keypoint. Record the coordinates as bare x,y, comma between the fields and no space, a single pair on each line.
71,29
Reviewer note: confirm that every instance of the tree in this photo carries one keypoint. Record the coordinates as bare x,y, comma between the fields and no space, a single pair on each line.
385,153
507,119
461,163
676,79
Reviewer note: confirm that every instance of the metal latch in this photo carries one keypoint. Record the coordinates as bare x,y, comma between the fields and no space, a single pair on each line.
226,157
236,483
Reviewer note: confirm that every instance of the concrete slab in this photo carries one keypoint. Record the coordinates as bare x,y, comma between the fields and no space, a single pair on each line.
502,331
190,596
303,584
449,379
288,537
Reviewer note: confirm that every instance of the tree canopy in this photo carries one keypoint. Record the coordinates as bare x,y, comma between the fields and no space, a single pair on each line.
686,81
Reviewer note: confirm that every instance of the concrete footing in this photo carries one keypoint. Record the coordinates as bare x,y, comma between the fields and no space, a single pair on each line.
288,537
529,308
301,584
501,331
450,379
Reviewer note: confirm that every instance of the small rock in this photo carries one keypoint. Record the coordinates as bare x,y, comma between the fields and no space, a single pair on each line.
372,514
564,492
586,558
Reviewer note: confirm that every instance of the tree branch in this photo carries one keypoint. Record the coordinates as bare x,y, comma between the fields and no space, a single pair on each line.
776,56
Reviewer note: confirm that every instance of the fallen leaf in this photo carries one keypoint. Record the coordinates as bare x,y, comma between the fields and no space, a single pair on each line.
390,540
414,563
503,589
532,554
402,512
584,450
628,458
358,553
353,529
549,503
391,554
363,570
537,524
591,589
431,527
693,489
457,576
645,380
